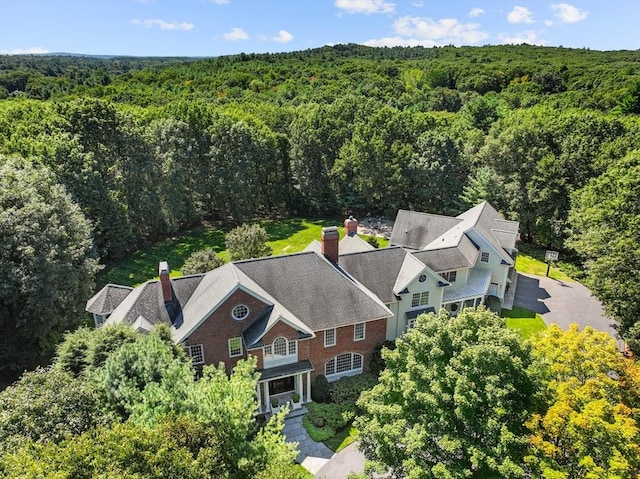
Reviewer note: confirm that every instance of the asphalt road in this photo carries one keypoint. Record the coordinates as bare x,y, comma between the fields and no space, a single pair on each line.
561,302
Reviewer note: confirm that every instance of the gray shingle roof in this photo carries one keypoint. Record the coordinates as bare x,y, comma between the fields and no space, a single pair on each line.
416,230
146,301
314,290
483,217
377,269
463,255
353,244
108,299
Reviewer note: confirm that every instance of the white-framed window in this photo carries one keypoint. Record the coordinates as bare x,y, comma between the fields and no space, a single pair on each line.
411,323
358,331
484,257
196,353
422,278
450,276
329,337
281,347
235,347
420,299
345,364
240,312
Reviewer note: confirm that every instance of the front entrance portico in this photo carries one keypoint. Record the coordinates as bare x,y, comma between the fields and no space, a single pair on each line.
282,381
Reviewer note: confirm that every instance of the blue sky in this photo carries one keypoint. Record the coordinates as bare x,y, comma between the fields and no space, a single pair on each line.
221,27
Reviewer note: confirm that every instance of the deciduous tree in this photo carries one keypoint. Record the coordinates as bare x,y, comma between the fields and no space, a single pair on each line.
46,260
247,241
202,261
451,402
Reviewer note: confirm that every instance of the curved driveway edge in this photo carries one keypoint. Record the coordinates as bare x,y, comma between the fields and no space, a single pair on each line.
347,461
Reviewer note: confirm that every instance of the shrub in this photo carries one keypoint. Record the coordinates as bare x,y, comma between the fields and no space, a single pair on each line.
346,391
333,416
377,364
202,261
373,241
320,390
318,434
493,304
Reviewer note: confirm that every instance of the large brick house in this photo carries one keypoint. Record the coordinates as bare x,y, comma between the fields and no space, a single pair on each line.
322,311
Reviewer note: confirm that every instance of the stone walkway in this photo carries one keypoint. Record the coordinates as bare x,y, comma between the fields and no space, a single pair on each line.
376,226
313,455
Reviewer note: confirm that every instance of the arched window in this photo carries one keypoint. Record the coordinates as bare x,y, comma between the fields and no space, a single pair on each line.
280,351
346,364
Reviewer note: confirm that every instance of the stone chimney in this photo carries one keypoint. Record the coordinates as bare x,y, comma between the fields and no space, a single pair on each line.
351,226
167,292
330,238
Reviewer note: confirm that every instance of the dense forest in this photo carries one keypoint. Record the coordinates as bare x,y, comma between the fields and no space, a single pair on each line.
147,147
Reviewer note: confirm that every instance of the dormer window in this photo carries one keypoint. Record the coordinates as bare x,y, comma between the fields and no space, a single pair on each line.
450,276
484,257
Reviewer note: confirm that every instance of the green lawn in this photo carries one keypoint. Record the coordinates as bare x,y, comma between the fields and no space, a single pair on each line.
530,260
526,322
286,236
341,440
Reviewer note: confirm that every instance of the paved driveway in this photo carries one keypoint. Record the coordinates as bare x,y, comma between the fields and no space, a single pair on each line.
347,461
561,302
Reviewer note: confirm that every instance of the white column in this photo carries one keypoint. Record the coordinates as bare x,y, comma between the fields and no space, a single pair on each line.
308,387
266,395
298,381
258,386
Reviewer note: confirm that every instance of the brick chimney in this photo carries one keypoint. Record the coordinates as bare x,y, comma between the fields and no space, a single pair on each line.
351,226
163,271
330,238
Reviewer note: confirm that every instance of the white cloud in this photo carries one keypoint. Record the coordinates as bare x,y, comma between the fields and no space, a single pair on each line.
400,42
520,15
148,23
283,37
24,51
220,2
418,4
446,30
528,36
568,13
236,34
548,23
366,6
476,12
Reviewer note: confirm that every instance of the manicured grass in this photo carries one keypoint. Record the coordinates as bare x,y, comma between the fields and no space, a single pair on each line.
526,322
341,440
530,260
286,236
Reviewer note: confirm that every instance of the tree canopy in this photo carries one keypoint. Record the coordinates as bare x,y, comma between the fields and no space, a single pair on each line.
452,400
47,262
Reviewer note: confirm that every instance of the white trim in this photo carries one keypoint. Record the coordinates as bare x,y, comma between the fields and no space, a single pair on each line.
364,331
240,318
335,339
194,351
241,347
349,372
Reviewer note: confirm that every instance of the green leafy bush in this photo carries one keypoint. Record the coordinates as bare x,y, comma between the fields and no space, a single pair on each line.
346,391
493,304
334,416
320,390
318,434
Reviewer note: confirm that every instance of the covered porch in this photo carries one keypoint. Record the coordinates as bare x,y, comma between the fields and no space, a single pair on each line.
281,382
469,295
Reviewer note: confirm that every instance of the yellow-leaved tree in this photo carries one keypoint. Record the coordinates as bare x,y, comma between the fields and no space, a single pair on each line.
588,426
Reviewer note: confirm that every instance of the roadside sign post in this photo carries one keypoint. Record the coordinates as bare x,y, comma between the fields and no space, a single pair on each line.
550,256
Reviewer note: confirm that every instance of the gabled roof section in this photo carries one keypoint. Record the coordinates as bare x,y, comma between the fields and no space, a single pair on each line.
377,270
484,218
267,319
353,244
147,301
108,299
314,290
347,245
411,268
416,230
463,255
